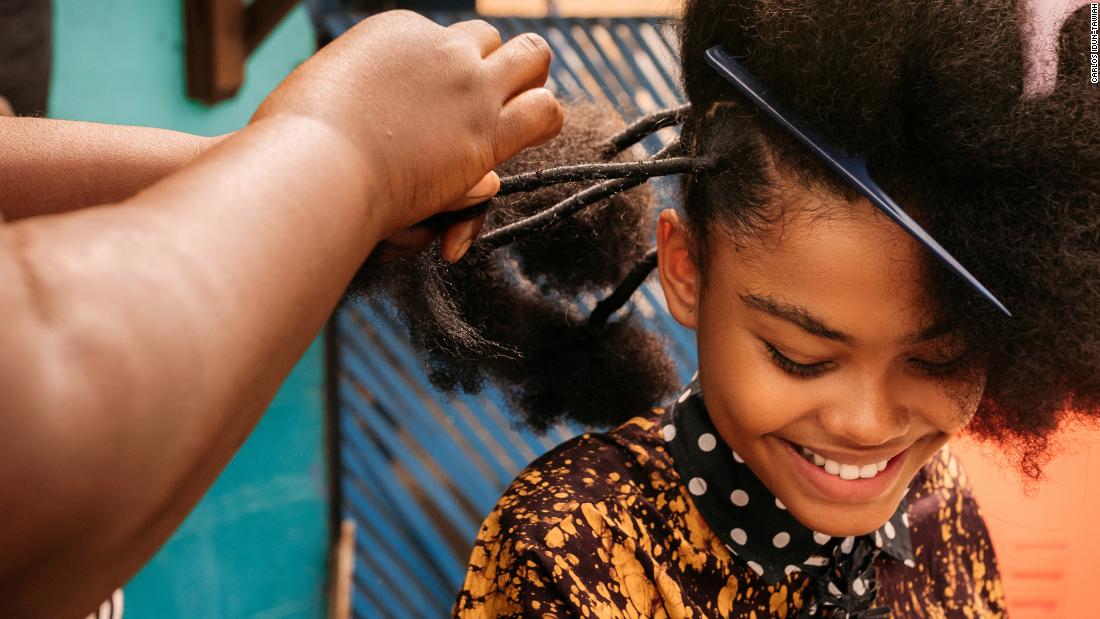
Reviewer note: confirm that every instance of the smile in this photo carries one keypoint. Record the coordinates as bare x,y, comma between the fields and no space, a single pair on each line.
833,479
845,471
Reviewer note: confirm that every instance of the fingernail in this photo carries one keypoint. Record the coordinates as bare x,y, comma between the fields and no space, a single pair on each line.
485,188
462,250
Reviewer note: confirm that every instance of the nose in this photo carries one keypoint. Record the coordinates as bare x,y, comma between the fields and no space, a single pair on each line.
869,415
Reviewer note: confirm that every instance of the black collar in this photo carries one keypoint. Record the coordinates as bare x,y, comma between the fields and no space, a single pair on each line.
750,520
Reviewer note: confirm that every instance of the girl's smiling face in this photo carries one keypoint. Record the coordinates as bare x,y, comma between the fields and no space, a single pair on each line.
817,336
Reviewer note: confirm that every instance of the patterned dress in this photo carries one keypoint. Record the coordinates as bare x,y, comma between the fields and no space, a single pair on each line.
605,525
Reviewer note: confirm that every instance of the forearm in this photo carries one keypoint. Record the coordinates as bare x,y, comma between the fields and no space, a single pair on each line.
141,341
53,166
172,318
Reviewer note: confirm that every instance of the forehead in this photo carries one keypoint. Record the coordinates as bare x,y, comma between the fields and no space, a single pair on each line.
840,259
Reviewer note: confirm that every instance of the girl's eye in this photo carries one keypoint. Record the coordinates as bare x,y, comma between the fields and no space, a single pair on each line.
930,368
794,368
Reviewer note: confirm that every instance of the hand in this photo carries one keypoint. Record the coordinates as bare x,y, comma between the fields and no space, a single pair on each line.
432,111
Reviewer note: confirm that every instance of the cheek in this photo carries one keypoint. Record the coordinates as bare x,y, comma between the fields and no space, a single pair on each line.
747,396
948,406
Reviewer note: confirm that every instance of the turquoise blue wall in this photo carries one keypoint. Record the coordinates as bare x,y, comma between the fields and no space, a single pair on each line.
256,545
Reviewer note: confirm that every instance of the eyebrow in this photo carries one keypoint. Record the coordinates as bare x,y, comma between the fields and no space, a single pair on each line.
808,322
795,314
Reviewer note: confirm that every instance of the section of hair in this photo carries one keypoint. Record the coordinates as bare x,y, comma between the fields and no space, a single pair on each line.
930,92
511,317
594,247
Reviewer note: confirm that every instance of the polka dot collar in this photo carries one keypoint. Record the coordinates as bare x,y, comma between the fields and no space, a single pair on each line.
753,523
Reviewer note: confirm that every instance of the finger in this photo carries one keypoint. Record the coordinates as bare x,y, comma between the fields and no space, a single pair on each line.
529,119
521,62
458,238
486,188
484,33
406,242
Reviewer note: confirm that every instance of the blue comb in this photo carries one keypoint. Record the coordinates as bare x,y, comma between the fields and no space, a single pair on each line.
852,168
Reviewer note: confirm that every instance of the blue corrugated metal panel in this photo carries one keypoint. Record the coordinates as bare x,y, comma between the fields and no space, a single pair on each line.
419,470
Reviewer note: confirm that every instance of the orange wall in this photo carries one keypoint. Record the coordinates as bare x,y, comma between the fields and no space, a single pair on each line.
1046,537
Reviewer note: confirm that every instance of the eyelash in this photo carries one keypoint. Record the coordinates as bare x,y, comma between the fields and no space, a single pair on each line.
813,370
936,369
801,370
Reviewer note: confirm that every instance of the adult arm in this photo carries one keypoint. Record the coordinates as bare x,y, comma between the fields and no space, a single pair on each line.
142,340
53,166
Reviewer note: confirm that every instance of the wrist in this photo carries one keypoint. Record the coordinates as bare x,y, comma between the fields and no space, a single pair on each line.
322,145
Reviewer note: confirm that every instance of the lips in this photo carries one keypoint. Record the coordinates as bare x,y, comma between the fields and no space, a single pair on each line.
836,480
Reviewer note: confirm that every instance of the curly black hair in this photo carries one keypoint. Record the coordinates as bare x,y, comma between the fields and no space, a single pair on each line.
518,316
931,92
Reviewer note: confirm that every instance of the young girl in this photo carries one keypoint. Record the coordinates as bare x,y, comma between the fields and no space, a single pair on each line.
804,471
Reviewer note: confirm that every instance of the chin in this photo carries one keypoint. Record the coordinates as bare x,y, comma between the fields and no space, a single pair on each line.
844,521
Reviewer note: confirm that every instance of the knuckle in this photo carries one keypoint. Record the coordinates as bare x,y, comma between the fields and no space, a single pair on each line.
478,29
535,45
490,29
403,15
548,105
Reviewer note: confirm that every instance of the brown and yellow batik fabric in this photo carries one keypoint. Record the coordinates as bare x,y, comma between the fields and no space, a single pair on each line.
605,526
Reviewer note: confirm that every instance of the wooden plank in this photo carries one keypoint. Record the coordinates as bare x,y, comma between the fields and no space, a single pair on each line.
261,17
215,48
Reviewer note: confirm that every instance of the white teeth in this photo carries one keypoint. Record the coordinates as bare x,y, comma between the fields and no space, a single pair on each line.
846,472
849,472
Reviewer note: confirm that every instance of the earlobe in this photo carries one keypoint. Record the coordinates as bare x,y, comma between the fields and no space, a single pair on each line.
680,277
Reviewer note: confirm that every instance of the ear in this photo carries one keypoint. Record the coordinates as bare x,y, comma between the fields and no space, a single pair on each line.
680,277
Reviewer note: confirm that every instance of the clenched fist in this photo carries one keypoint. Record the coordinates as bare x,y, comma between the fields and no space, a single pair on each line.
432,110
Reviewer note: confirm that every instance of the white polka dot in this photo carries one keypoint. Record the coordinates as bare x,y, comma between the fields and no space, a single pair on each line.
739,498
780,504
737,456
683,396
695,377
816,560
754,566
905,519
889,528
834,590
668,432
858,586
909,563
846,545
781,539
790,569
739,536
707,441
821,538
697,486
878,539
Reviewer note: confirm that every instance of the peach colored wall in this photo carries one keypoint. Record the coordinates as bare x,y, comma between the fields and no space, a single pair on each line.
1045,537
